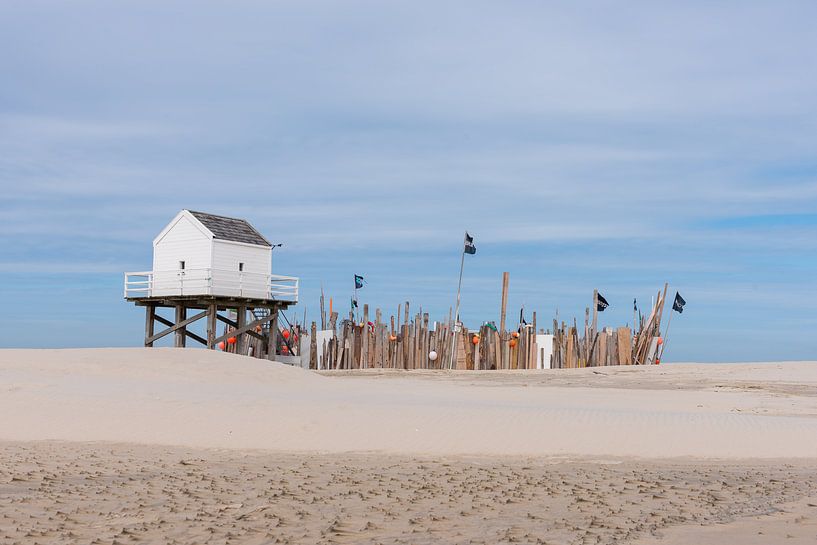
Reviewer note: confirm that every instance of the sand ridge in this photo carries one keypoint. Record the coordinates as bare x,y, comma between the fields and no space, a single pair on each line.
208,399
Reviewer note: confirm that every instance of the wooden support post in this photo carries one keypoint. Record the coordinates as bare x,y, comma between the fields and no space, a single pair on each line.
180,336
272,340
504,308
212,324
150,313
313,347
240,341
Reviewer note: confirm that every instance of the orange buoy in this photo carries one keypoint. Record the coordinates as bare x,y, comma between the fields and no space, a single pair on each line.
660,341
285,333
392,338
231,340
515,334
657,361
512,343
475,339
221,345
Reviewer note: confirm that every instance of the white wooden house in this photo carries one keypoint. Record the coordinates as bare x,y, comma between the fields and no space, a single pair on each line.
209,255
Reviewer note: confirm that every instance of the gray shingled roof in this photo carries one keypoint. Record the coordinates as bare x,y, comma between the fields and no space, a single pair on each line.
232,229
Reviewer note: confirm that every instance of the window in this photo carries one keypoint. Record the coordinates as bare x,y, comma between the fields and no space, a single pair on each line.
181,265
240,267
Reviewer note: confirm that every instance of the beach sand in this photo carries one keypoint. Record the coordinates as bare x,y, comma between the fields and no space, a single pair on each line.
188,446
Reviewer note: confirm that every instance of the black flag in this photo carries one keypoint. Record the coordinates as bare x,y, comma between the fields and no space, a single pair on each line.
679,303
635,305
601,303
358,281
469,244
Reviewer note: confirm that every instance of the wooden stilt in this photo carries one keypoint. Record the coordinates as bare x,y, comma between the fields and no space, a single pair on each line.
240,338
272,341
150,313
212,324
180,336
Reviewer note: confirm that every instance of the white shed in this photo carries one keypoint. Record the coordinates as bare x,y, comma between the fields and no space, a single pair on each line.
205,254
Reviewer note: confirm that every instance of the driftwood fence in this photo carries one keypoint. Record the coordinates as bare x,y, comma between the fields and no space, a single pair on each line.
406,341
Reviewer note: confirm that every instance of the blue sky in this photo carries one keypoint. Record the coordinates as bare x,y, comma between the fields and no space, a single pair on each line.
603,145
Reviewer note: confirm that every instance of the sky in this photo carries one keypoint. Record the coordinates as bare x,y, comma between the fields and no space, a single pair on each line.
605,145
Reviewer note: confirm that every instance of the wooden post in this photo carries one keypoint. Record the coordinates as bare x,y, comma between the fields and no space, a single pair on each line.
323,311
595,310
504,308
313,346
272,341
212,324
180,334
240,345
150,313
586,336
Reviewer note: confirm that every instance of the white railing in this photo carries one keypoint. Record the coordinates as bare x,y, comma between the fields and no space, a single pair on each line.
211,282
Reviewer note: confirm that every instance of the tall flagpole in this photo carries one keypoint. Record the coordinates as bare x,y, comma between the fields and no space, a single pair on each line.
457,311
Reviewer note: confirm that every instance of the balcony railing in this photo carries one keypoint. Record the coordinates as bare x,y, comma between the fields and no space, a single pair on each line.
211,282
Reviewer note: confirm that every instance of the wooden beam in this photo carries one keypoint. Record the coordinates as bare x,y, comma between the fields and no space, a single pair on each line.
175,327
235,325
190,334
246,329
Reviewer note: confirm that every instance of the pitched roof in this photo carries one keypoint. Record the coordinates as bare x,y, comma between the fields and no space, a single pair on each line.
232,229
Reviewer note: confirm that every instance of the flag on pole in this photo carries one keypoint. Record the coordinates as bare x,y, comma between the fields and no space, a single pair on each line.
635,305
601,303
358,281
469,244
678,305
354,303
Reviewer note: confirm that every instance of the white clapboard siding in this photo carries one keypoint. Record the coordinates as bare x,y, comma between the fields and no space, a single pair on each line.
182,240
228,280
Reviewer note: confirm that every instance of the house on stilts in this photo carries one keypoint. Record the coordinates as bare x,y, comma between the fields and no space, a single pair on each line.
218,269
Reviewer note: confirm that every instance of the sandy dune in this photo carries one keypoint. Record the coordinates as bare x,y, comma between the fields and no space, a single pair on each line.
187,446
207,399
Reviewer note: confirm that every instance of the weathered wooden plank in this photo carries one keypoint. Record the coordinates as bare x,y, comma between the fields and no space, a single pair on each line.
624,342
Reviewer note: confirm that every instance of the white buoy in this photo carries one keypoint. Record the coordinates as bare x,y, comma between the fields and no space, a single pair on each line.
432,356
